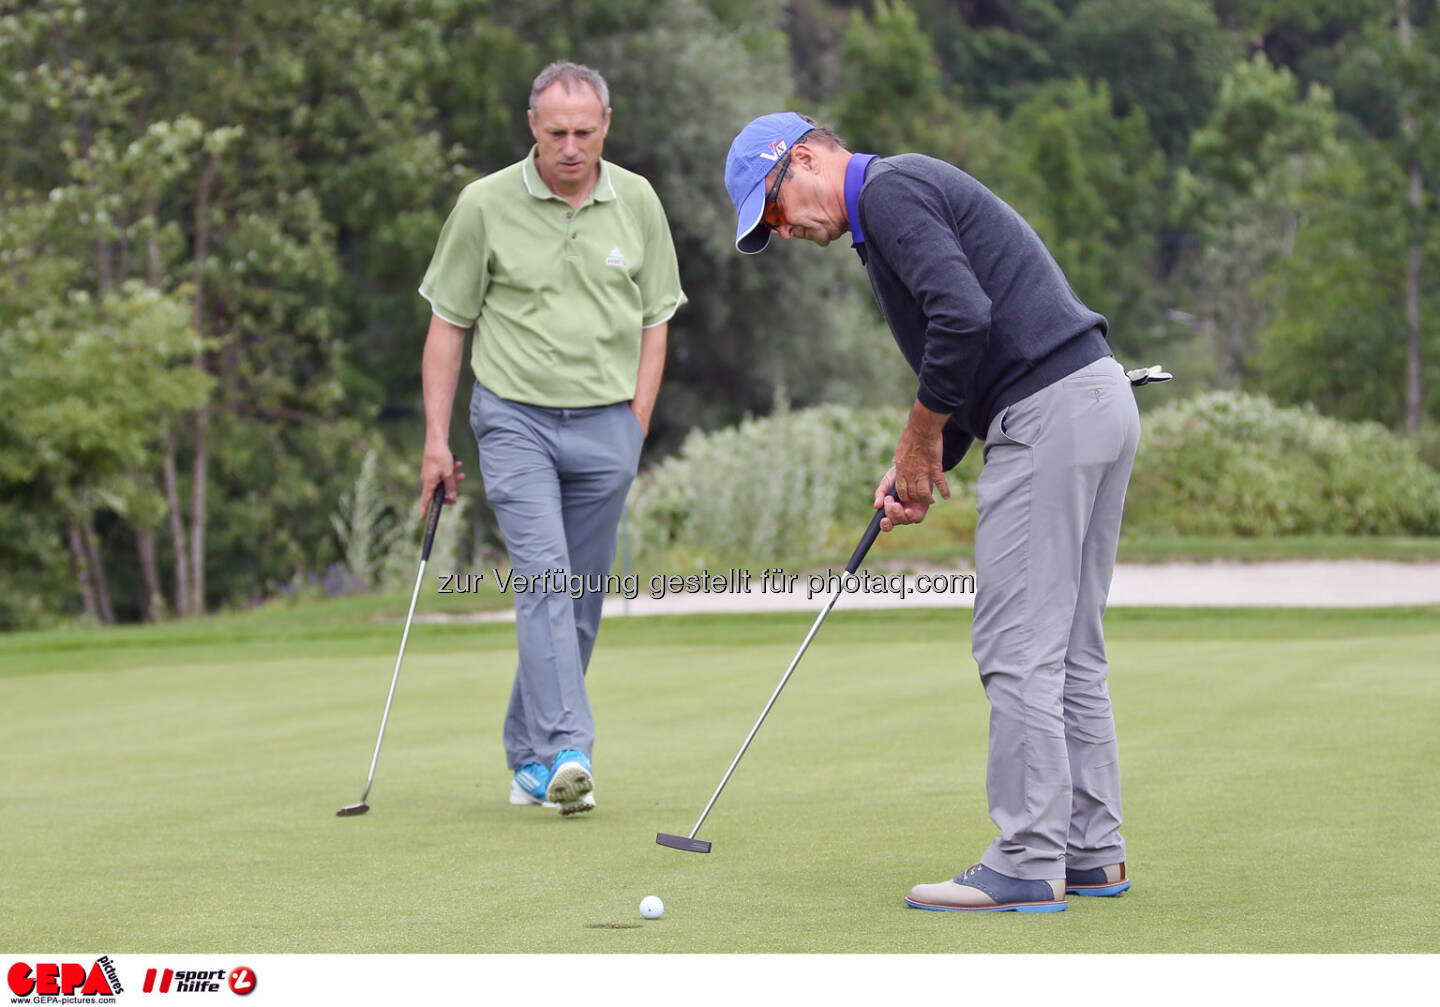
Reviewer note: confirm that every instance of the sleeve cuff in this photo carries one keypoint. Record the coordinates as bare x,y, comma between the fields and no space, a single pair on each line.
445,315
927,398
663,316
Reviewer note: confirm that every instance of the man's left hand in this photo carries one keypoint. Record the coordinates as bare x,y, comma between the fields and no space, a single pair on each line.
642,418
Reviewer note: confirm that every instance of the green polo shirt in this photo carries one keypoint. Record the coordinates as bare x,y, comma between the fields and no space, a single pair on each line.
557,296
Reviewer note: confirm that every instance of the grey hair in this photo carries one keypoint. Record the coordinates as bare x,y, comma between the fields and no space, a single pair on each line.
570,76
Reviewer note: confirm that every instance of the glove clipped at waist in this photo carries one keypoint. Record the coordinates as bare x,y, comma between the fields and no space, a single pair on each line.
1148,375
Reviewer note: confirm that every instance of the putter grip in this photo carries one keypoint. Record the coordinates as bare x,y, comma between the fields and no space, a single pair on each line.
431,521
871,534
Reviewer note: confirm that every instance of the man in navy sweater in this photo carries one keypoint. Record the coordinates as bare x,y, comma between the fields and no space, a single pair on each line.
1005,352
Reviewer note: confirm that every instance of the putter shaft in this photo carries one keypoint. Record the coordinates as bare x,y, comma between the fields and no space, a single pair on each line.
414,595
690,843
437,502
765,712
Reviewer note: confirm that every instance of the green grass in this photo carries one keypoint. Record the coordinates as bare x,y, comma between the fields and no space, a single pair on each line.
173,789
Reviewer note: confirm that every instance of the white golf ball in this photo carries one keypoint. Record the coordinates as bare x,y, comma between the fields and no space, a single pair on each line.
651,907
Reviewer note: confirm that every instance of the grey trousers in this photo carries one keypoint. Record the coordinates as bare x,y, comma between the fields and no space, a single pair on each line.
1050,498
557,481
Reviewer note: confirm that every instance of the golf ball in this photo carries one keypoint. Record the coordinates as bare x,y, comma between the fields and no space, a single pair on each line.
651,907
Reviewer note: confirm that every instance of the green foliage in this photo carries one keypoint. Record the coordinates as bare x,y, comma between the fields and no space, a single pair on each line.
1225,463
1335,334
1263,145
1163,56
379,529
89,390
681,86
37,582
1005,51
766,488
815,29
793,483
274,484
1089,182
365,525
798,483
89,387
892,97
1260,124
450,550
229,206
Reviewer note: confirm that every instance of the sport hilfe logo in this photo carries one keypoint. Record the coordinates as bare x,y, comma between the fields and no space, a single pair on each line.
48,979
240,980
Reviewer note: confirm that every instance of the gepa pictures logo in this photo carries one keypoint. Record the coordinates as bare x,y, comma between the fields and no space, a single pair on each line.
50,979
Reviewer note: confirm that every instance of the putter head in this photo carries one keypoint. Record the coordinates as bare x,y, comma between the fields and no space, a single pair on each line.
353,809
687,843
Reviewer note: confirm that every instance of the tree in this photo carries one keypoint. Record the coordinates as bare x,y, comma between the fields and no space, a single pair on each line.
1336,301
1381,58
893,98
998,52
218,150
87,390
793,319
1239,200
1415,71
1089,182
1163,56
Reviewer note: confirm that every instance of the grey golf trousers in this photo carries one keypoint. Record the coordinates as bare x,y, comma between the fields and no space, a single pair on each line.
557,481
1050,498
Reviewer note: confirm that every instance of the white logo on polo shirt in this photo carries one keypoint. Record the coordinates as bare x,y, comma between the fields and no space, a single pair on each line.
615,258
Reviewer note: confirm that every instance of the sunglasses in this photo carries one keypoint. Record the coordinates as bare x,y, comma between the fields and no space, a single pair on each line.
772,216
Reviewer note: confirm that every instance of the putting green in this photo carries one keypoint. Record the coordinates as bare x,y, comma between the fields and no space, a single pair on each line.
174,789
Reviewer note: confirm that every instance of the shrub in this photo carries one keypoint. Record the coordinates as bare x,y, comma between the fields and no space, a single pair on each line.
768,487
796,483
1226,463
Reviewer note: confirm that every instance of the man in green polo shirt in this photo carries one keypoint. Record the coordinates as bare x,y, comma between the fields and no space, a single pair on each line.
564,266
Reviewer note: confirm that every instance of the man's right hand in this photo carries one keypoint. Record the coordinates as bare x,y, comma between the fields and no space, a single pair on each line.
439,466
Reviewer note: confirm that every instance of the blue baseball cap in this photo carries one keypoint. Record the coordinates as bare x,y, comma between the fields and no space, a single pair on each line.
755,150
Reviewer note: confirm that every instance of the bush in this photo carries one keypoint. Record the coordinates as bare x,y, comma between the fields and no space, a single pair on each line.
765,488
796,483
1226,463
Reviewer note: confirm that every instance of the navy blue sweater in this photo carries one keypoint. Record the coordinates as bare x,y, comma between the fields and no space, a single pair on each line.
976,302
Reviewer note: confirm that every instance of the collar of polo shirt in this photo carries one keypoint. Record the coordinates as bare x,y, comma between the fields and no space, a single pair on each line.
603,192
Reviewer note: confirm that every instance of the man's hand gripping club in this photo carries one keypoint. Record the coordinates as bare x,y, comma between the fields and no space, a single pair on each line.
917,470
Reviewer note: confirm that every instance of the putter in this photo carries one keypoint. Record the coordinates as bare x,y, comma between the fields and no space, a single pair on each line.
689,843
432,520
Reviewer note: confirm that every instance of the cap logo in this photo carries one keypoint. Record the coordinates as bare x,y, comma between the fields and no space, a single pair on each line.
777,150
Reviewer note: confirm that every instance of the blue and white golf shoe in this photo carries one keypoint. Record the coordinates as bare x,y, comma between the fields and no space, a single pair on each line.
529,783
571,784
